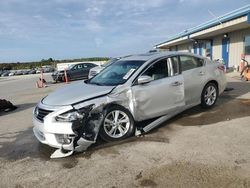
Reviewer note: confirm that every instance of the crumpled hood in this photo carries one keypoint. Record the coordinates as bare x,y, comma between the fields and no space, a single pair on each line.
74,93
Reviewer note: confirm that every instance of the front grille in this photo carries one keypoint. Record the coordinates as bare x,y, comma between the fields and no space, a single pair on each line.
41,113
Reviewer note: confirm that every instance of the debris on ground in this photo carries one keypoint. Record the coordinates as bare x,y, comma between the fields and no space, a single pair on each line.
6,106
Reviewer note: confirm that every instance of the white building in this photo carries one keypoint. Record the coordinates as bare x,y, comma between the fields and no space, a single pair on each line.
226,37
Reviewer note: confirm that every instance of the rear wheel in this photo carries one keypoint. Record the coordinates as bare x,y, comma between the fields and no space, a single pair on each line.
118,124
209,95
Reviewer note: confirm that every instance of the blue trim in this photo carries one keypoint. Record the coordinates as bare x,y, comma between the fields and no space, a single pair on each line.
200,48
225,50
248,18
195,48
221,19
211,55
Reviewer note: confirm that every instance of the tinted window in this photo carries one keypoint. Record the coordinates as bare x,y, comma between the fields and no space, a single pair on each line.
80,66
189,62
247,45
200,62
88,65
74,67
158,70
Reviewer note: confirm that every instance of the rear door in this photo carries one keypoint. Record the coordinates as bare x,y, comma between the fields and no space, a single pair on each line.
193,72
162,95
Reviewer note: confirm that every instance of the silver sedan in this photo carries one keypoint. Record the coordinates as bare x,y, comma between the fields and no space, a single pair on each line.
147,86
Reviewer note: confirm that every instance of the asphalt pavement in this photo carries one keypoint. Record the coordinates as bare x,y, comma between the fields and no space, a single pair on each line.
198,148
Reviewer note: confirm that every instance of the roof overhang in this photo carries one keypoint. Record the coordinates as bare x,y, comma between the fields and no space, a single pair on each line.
235,20
173,42
227,27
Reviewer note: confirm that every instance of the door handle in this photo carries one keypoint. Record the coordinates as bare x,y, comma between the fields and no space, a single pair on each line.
201,73
176,83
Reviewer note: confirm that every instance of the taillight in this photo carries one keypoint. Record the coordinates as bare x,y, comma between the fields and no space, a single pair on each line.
222,68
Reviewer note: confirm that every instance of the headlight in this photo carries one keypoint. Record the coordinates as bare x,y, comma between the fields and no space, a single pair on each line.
69,116
36,112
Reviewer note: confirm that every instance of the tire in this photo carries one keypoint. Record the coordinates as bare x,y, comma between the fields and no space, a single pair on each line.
113,130
209,100
64,80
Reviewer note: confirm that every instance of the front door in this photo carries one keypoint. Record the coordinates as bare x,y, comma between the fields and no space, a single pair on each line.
225,51
162,95
79,71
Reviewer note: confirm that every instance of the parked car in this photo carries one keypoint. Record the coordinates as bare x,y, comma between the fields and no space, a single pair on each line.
132,89
26,72
12,73
32,71
5,73
38,70
94,71
48,69
19,72
74,72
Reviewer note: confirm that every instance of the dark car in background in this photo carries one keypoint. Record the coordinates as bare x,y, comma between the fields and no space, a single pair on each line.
74,72
32,71
5,73
94,71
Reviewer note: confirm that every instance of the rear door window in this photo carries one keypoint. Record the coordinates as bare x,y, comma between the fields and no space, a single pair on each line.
189,62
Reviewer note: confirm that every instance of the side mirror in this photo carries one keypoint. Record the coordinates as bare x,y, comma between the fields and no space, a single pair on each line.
144,79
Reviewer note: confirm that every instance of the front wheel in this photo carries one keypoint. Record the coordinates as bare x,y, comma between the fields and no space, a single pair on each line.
118,124
209,95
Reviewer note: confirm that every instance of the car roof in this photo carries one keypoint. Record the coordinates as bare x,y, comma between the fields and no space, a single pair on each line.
155,55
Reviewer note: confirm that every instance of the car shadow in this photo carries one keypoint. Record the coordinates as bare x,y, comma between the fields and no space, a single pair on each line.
229,106
22,144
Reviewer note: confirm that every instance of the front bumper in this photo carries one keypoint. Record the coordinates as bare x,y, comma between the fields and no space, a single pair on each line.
52,133
51,139
57,77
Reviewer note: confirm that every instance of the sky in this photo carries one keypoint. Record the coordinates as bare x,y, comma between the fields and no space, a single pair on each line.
31,30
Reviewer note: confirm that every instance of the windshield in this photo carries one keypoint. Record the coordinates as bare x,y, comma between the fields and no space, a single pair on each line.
71,66
117,73
109,62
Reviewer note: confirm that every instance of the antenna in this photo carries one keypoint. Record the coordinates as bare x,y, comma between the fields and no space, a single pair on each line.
212,14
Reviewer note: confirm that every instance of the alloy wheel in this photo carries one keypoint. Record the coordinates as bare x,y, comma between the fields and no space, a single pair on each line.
116,124
210,95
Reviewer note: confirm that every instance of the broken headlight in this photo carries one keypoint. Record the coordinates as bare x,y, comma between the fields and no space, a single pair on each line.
70,116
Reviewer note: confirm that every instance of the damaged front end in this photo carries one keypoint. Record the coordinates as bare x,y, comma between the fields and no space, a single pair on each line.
70,129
